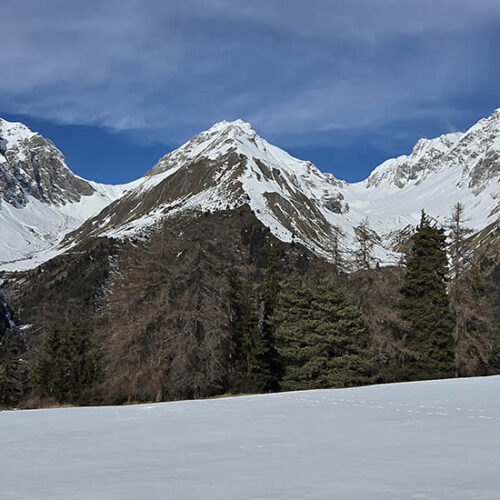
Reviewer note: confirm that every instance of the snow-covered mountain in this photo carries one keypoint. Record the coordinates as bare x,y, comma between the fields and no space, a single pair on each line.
228,166
439,172
41,200
31,166
225,167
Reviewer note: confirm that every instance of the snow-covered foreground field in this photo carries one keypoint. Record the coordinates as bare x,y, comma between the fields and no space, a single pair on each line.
421,440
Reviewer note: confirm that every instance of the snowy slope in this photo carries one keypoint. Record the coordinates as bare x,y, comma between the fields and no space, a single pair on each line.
225,167
230,165
422,440
31,234
41,200
437,174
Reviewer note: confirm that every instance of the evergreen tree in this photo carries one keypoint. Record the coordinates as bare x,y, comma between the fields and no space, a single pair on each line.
67,368
51,371
250,370
425,306
13,373
320,337
84,364
269,298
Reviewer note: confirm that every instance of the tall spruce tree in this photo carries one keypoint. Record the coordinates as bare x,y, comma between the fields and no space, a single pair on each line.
250,367
268,300
67,368
320,337
425,306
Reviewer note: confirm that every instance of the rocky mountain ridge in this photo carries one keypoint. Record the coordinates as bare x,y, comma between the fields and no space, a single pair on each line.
229,165
41,199
474,153
31,165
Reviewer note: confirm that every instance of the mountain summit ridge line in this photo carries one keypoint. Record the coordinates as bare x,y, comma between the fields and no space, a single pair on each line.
229,165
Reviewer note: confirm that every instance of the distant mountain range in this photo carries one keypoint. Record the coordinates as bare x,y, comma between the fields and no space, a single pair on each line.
45,209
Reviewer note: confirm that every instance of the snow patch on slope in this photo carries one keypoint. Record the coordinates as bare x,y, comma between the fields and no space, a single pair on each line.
31,234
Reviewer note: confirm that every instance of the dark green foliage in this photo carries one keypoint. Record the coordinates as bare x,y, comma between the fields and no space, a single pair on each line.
67,368
13,372
320,337
425,307
209,312
250,370
4,317
269,298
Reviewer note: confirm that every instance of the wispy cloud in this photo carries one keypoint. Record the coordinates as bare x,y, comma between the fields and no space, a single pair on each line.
308,70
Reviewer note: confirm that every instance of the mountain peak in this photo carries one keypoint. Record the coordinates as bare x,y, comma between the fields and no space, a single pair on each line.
229,165
215,142
12,133
31,166
223,134
237,126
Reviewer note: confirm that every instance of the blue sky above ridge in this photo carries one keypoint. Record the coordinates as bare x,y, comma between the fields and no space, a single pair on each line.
345,84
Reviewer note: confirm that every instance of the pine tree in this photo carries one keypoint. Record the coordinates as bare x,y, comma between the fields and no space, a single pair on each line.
13,373
83,365
67,368
425,306
269,299
51,371
320,337
250,370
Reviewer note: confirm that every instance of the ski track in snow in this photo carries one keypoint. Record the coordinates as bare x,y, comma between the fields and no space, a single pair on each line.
423,440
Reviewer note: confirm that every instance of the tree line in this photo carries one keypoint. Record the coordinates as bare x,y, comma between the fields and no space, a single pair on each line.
198,334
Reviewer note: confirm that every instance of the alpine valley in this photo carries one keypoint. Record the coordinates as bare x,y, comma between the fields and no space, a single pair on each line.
152,268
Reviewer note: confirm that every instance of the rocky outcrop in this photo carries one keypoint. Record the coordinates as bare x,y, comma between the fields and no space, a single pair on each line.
474,153
31,165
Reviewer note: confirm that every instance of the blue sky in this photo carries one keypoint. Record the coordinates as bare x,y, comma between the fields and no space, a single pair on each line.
343,83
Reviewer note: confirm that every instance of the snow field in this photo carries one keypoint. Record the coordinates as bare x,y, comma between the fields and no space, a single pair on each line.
424,440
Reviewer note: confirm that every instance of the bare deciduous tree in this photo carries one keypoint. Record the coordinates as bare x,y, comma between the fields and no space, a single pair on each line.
474,336
364,253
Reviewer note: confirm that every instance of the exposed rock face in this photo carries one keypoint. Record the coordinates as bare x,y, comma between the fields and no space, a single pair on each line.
32,165
475,154
423,160
228,166
40,198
